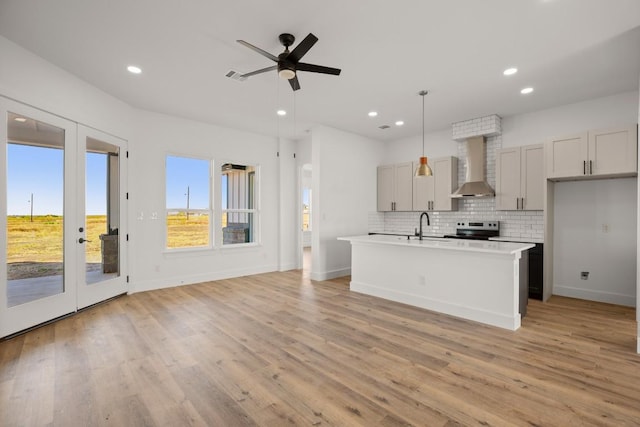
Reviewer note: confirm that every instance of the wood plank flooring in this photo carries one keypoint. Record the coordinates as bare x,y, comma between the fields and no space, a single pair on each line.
279,350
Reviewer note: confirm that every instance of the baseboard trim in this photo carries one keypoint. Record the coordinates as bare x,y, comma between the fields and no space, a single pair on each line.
150,285
593,295
328,275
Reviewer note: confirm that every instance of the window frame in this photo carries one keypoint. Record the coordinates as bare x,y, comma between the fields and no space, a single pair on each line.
254,188
210,210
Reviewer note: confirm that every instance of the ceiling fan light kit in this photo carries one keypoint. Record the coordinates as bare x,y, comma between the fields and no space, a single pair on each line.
288,62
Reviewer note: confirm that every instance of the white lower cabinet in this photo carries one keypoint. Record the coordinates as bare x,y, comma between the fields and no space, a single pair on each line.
433,193
520,178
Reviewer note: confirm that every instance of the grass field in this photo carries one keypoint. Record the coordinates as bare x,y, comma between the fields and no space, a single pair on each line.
41,240
183,232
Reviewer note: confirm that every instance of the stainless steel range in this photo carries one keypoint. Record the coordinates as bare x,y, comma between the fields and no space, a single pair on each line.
476,230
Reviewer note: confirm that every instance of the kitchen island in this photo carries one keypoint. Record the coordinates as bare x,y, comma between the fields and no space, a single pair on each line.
478,280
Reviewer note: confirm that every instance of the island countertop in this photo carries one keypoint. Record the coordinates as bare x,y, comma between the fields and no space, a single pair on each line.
486,246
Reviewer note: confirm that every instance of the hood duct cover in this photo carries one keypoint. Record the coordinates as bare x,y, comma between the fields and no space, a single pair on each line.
475,185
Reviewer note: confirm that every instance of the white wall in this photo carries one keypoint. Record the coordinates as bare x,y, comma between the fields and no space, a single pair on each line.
638,252
30,79
157,135
599,113
595,231
344,192
436,144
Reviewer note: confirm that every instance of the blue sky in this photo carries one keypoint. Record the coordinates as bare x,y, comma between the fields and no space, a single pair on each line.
183,172
39,171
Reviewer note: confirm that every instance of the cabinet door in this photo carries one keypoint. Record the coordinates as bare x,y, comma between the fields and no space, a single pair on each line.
422,192
532,177
613,151
404,186
386,178
566,157
445,174
508,186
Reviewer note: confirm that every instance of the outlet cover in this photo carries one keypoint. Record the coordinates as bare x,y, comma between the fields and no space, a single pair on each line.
584,275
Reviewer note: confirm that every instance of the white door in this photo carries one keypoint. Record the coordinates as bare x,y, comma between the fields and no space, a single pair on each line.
42,215
101,203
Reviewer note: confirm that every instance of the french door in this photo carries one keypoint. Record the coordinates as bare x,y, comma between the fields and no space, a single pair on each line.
63,217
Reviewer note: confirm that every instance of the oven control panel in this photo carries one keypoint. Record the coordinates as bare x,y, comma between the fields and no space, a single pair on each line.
479,225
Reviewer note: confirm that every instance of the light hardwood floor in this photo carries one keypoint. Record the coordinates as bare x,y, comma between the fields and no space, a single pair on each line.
278,350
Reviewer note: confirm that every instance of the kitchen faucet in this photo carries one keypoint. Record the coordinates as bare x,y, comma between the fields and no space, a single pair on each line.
428,223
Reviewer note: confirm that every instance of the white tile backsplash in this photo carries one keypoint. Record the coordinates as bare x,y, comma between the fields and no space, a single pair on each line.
526,225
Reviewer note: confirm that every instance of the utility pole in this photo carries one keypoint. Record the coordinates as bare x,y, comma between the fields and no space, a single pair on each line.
187,203
31,203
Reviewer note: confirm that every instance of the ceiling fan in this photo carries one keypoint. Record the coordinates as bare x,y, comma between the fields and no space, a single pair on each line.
288,63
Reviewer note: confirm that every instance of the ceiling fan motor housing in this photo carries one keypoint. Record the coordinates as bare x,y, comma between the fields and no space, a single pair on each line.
286,39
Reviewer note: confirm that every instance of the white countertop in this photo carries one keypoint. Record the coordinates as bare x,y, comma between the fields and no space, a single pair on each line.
516,239
486,246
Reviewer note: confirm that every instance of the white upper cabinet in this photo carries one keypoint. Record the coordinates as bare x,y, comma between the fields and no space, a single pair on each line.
613,151
598,153
433,193
395,187
520,178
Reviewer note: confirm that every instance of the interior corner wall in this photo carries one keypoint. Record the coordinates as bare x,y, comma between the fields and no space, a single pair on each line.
157,135
288,224
344,192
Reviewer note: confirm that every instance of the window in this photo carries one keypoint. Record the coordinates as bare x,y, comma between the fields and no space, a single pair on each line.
239,204
188,202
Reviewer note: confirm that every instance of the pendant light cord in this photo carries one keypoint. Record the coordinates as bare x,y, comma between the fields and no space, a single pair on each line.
423,94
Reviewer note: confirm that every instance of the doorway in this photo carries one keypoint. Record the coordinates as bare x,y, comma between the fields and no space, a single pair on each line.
62,212
306,218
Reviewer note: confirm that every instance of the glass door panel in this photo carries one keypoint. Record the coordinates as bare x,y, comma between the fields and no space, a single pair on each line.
35,217
38,251
101,204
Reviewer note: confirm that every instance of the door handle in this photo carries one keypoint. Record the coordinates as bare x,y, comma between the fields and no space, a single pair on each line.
81,240
522,203
517,203
584,167
590,167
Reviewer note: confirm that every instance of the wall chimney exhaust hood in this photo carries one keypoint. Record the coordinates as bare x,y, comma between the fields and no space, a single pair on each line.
475,184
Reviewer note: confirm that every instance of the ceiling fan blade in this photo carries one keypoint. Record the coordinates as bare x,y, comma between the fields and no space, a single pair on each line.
301,66
257,49
302,48
295,84
263,70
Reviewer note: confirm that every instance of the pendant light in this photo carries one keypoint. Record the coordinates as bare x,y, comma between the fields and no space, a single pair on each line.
423,168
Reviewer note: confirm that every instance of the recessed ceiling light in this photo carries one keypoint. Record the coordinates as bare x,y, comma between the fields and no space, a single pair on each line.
282,113
20,119
399,123
526,90
510,71
373,113
134,70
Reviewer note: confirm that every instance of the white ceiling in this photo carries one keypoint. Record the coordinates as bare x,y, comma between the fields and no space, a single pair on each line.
568,50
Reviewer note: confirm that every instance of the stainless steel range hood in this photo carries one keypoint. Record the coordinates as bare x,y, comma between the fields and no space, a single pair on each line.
475,185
